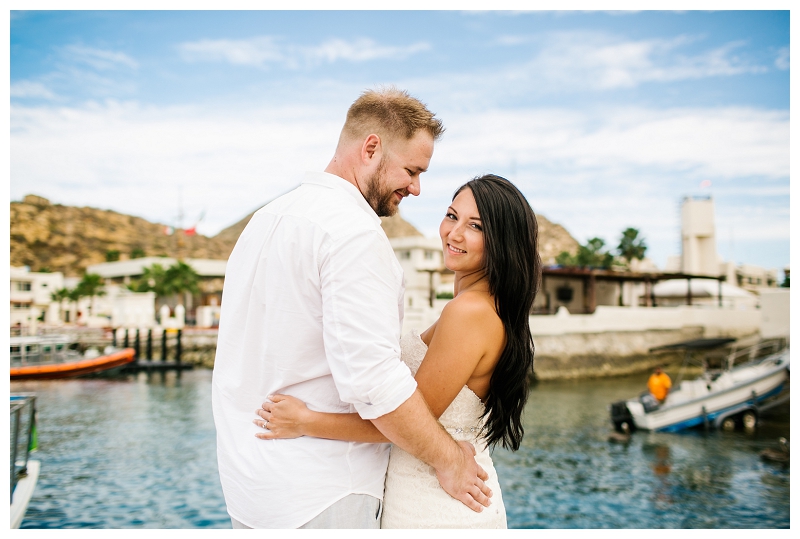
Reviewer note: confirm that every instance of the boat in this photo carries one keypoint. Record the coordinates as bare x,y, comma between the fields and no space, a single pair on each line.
746,383
24,471
52,357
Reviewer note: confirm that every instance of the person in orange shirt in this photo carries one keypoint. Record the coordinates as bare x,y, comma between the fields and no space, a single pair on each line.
659,384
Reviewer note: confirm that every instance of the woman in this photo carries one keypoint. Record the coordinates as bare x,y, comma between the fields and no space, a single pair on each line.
471,365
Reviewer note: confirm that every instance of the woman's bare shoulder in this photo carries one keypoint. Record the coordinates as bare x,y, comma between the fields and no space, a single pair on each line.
471,308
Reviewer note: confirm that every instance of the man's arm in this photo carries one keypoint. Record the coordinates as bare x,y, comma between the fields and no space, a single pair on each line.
360,283
413,428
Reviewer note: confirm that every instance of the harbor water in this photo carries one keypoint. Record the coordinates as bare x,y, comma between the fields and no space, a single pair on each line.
139,452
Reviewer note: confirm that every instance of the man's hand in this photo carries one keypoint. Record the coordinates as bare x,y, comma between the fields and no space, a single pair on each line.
464,481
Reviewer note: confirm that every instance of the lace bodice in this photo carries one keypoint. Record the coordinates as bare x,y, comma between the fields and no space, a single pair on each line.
462,418
413,497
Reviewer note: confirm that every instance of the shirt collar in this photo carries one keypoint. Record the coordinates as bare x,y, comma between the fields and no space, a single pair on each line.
333,181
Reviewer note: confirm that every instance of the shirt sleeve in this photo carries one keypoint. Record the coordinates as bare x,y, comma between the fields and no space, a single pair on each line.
361,322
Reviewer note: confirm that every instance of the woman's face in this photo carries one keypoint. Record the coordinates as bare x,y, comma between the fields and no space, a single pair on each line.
462,234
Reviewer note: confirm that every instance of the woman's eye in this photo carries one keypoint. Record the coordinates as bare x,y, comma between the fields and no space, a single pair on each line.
476,226
449,216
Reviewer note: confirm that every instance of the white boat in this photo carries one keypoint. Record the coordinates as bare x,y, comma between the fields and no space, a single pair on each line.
724,398
24,471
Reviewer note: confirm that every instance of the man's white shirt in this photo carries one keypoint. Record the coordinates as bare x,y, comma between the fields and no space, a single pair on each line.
312,307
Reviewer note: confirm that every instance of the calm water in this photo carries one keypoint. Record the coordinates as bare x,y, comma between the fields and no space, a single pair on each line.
140,453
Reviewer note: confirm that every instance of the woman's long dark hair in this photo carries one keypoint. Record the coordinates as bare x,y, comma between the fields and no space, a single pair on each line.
513,269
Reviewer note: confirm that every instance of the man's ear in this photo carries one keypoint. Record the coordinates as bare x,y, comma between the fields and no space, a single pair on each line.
371,149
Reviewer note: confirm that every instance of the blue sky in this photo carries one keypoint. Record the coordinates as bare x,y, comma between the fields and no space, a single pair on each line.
604,120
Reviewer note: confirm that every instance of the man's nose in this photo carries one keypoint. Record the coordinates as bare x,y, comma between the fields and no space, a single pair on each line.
414,187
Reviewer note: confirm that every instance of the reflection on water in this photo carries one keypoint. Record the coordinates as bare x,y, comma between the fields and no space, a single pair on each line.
126,454
569,475
141,453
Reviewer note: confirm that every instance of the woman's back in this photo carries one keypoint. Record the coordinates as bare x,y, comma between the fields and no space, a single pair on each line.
413,497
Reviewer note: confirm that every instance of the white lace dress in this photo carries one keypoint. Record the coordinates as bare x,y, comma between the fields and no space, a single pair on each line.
413,497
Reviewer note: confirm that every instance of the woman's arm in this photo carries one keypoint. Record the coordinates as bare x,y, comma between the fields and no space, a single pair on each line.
467,328
288,417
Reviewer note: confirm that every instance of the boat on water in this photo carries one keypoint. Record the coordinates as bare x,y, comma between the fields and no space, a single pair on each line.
24,471
745,383
51,357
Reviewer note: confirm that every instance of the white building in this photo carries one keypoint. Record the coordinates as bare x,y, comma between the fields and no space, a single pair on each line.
698,240
211,273
699,250
423,268
30,295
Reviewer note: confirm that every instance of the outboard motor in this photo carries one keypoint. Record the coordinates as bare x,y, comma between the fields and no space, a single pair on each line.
622,418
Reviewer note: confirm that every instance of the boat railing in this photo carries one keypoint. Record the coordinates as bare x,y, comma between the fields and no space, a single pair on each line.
23,435
755,352
33,351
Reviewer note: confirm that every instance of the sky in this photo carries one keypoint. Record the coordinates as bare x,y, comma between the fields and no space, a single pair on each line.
604,120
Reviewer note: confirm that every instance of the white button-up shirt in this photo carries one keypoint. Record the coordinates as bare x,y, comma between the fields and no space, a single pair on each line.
312,307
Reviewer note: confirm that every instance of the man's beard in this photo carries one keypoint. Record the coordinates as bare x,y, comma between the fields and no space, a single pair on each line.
379,196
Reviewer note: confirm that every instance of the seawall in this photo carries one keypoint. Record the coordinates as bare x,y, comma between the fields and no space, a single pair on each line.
615,341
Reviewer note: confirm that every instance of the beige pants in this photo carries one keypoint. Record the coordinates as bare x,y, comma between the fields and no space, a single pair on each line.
354,511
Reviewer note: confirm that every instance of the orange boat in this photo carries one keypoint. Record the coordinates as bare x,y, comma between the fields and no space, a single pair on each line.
46,358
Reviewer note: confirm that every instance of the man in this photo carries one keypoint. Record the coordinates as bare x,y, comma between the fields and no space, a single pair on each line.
312,307
659,385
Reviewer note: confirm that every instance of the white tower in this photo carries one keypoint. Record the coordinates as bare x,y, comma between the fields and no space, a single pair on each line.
698,246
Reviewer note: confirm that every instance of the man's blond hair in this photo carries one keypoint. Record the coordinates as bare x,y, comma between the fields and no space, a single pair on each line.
389,113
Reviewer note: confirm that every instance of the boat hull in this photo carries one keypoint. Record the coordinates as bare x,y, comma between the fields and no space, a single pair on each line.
711,402
73,368
23,493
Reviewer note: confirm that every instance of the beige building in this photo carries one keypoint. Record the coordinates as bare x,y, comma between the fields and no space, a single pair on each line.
699,250
698,239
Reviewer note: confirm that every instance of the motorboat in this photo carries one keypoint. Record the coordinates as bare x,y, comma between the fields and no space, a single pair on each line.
53,356
24,471
745,383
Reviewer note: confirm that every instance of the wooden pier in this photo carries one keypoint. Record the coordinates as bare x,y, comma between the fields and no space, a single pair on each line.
144,360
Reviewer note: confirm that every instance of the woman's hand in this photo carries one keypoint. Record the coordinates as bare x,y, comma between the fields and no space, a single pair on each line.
282,416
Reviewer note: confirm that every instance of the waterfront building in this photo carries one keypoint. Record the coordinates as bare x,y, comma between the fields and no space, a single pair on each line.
423,268
202,308
699,250
31,300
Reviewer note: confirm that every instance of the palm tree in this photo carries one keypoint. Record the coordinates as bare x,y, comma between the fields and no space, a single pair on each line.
153,279
91,285
631,245
178,279
59,296
181,278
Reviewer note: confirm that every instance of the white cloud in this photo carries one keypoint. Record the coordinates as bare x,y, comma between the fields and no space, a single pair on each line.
782,61
698,143
99,59
29,89
253,52
595,173
361,50
260,51
133,159
591,60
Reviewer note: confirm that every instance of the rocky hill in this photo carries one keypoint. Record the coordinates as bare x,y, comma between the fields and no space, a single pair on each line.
53,237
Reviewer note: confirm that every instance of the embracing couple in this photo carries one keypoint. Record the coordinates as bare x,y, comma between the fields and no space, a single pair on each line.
312,380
